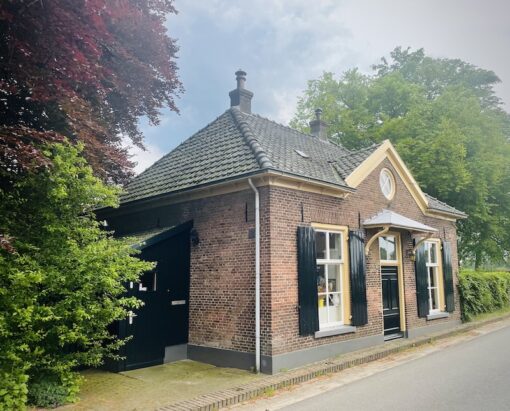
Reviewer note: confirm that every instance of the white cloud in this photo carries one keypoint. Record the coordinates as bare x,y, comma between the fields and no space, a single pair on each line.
143,158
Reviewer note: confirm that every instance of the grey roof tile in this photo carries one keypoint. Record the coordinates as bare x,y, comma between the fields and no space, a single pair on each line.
216,152
438,205
237,144
346,164
280,144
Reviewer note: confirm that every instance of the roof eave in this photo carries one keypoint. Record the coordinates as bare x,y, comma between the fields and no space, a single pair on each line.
402,227
228,180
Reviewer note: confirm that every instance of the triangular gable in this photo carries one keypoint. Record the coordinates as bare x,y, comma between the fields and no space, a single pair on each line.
387,151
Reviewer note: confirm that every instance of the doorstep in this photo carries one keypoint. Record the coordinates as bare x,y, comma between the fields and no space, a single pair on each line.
243,392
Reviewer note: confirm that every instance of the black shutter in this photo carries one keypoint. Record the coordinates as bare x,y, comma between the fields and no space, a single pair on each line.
307,282
358,280
422,291
448,276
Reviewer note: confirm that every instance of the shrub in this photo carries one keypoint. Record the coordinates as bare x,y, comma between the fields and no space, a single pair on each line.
64,284
51,390
483,292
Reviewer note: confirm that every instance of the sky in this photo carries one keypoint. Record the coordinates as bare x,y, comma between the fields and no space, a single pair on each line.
282,44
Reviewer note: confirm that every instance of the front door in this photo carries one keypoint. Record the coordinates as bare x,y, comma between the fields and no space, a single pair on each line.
390,300
163,319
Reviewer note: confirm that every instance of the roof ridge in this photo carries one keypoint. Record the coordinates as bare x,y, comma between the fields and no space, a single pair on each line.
250,139
328,141
373,146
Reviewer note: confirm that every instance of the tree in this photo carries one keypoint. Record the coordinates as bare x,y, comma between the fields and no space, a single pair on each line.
86,70
65,283
448,125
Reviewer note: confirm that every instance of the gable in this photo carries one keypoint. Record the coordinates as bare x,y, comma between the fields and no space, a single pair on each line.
386,151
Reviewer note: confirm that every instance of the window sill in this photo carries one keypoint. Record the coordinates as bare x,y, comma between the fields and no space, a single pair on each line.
343,329
437,316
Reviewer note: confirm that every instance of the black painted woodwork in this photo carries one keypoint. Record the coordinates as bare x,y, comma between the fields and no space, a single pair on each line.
390,299
358,277
422,293
448,277
307,282
159,323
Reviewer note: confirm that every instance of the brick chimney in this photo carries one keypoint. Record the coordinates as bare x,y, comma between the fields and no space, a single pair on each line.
319,128
240,96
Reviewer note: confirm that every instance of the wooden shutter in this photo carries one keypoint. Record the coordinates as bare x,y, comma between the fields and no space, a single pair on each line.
358,280
448,276
307,282
422,292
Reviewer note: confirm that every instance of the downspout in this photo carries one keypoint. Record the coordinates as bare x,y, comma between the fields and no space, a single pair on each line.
257,276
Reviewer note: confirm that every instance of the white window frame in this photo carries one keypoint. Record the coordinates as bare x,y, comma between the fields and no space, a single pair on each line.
435,268
340,288
383,182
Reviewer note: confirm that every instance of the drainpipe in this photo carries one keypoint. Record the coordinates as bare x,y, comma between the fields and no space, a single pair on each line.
257,276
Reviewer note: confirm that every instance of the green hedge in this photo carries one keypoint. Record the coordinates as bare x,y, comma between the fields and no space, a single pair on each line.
483,292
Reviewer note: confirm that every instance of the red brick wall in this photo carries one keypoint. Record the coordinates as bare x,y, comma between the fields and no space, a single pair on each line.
222,265
222,289
286,213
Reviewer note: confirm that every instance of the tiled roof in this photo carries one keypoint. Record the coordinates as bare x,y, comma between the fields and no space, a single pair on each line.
437,205
216,152
238,144
281,144
346,164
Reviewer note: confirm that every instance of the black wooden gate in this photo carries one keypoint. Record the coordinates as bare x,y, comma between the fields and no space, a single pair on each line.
164,318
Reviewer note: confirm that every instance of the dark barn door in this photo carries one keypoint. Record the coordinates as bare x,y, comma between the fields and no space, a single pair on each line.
391,306
163,319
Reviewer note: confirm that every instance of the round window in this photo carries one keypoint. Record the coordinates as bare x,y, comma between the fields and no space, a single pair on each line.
387,183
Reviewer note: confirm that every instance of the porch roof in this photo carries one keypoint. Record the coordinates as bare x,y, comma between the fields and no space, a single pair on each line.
388,218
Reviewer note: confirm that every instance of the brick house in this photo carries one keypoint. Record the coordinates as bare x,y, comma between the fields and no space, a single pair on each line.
277,248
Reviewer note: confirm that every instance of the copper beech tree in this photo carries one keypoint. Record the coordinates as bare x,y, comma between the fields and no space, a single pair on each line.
86,70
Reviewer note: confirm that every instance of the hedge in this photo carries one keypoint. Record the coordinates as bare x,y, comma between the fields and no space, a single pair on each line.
483,292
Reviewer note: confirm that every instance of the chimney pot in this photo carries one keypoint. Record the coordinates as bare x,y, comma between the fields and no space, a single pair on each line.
240,97
240,78
319,128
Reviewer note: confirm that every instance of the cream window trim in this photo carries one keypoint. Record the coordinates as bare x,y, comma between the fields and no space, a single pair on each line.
345,272
438,265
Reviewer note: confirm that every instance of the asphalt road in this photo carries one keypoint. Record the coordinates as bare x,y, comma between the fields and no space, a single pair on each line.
473,375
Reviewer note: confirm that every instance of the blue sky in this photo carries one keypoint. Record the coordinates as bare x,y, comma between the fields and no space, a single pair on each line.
283,43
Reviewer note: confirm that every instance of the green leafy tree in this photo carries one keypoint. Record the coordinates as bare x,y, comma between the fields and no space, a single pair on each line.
63,285
447,123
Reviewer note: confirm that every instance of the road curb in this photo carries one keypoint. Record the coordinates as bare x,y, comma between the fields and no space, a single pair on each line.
220,399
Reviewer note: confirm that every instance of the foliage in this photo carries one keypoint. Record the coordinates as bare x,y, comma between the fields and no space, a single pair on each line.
64,285
50,392
483,292
447,124
84,69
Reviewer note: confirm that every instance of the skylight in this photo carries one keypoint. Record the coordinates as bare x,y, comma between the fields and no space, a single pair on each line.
301,153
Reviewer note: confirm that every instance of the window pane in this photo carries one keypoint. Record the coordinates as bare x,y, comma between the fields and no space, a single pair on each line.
383,255
323,310
391,248
335,308
434,297
432,277
387,248
335,248
334,278
433,252
320,244
321,279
